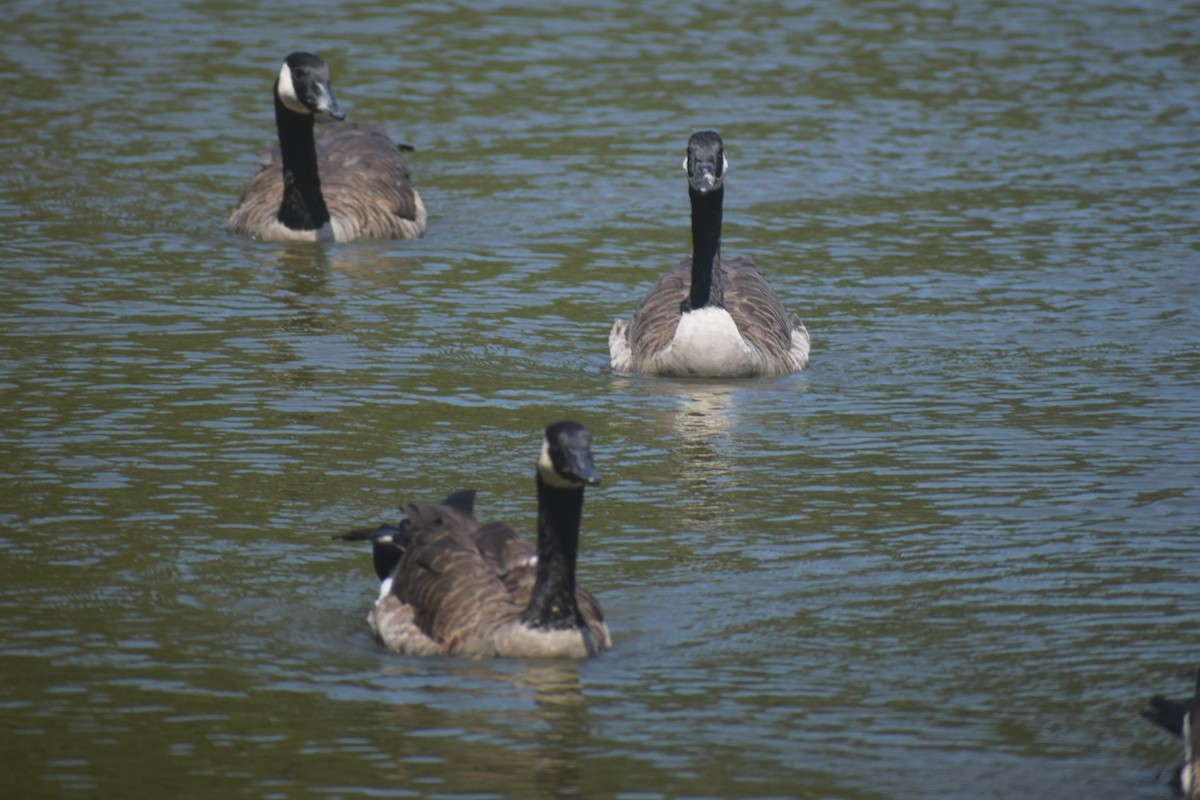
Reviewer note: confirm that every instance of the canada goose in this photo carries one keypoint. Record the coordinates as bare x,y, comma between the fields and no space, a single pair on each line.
710,316
1182,719
350,183
451,585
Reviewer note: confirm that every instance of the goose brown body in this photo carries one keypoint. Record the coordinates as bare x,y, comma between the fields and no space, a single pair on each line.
348,181
461,588
451,585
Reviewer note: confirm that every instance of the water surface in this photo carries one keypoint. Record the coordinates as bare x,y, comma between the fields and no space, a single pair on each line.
952,557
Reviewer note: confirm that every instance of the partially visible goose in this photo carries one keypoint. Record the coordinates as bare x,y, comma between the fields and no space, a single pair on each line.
350,182
709,316
451,585
1181,718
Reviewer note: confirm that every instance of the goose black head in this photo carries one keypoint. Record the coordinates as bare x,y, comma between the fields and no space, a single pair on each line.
705,164
566,458
303,86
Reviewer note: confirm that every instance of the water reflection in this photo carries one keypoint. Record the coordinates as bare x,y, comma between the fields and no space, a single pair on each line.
308,269
700,423
562,731
541,709
305,270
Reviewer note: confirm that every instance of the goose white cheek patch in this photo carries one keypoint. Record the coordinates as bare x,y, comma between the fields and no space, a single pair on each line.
287,91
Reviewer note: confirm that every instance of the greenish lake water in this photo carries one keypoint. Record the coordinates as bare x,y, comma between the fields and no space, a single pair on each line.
951,558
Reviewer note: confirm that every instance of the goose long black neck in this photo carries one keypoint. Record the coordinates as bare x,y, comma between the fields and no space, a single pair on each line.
706,246
303,205
553,605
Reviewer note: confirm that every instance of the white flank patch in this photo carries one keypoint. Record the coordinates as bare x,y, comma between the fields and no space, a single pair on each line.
385,588
620,355
287,91
707,343
1187,775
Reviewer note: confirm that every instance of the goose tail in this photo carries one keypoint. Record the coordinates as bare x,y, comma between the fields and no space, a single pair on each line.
388,542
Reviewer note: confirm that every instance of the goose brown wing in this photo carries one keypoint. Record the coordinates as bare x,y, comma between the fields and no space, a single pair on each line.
259,203
755,308
512,558
363,175
589,610
653,325
454,592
